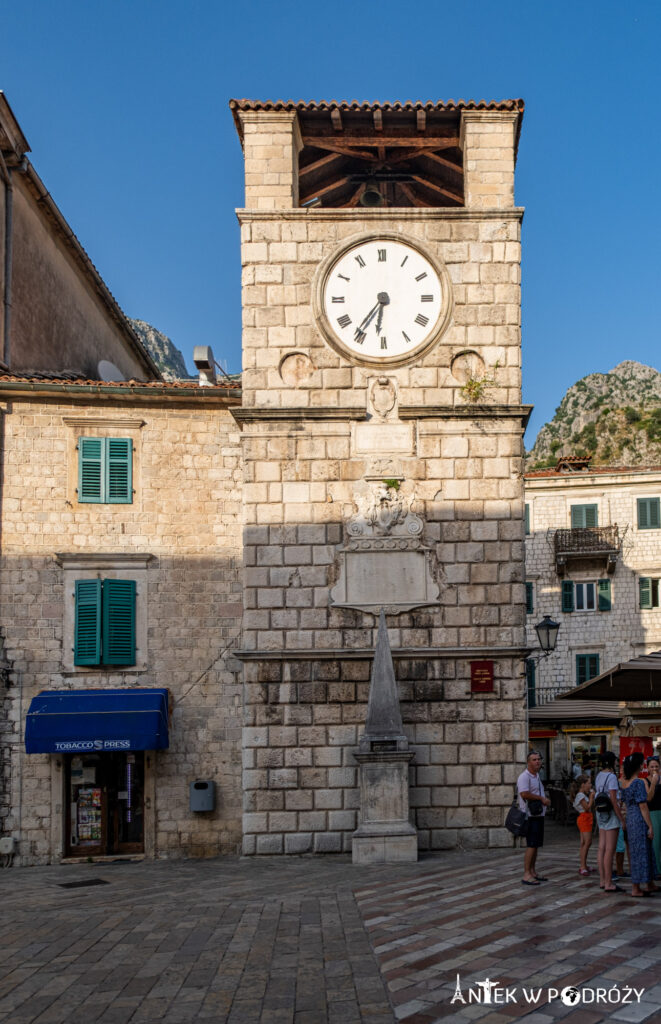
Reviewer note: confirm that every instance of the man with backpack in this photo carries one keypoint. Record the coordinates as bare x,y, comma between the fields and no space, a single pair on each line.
533,802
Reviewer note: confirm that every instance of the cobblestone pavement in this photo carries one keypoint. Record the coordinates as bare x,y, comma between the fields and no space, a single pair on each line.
310,941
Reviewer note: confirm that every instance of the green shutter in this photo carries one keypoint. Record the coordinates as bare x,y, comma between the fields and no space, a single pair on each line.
527,519
567,596
603,595
581,669
645,591
593,665
583,516
87,631
530,681
90,468
529,599
118,470
119,622
649,513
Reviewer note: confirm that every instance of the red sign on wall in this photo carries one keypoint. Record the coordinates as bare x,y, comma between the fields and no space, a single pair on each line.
635,745
481,676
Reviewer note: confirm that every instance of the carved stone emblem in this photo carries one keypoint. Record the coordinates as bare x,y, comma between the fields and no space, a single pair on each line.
383,510
383,396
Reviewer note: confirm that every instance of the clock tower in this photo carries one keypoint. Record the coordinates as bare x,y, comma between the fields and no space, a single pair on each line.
382,441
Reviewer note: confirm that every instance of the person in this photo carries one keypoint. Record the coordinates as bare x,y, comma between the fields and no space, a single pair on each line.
639,827
608,821
576,769
533,802
654,807
582,797
587,767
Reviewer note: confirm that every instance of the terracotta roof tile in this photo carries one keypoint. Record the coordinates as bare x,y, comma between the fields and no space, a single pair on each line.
312,105
571,474
64,378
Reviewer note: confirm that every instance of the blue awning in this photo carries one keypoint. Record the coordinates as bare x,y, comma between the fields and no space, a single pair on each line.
91,721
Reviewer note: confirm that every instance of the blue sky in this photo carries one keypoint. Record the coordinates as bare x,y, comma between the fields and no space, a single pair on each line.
125,108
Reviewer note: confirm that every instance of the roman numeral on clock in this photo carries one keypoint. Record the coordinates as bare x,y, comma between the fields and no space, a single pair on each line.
422,320
382,255
344,278
403,261
384,343
360,261
359,336
344,321
406,337
338,298
420,276
423,298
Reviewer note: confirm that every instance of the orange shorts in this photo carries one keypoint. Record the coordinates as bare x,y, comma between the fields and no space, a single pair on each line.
584,822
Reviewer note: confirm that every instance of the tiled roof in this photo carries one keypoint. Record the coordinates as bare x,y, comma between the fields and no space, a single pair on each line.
312,105
68,378
572,474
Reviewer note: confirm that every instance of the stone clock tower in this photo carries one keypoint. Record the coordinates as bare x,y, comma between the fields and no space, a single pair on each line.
382,441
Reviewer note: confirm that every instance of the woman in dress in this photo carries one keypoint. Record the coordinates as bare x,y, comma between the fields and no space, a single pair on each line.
639,827
609,820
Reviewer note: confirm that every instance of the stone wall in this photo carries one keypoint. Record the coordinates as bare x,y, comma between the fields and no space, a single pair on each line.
186,516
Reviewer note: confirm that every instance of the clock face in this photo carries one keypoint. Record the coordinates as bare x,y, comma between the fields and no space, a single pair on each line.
383,301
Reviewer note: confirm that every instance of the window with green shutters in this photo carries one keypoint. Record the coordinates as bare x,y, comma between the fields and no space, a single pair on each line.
648,592
527,519
649,513
583,516
104,631
588,596
587,667
105,470
530,605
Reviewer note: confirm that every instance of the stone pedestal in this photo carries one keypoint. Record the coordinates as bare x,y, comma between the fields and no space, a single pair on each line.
385,834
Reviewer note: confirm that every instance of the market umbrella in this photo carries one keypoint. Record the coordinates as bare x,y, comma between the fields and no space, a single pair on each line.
635,680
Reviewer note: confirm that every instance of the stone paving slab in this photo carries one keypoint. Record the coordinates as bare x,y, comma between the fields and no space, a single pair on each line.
317,941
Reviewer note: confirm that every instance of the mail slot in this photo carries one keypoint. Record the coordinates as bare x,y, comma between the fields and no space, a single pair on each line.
202,795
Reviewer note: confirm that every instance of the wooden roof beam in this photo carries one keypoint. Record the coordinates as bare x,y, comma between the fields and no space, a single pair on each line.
326,141
355,198
445,163
319,192
344,150
411,195
321,162
437,188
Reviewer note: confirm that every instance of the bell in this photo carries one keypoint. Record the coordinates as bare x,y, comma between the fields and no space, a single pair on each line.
371,197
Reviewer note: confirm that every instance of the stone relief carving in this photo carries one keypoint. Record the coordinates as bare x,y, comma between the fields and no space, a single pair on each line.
296,368
382,397
384,561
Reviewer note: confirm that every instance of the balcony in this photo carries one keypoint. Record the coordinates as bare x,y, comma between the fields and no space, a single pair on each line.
540,695
600,544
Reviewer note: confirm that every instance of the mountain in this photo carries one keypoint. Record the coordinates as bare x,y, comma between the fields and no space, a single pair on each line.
614,417
164,352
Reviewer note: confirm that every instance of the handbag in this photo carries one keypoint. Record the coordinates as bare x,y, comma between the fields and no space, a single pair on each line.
535,809
516,821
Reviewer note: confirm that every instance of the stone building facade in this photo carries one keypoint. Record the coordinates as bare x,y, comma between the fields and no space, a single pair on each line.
600,581
350,464
179,539
267,526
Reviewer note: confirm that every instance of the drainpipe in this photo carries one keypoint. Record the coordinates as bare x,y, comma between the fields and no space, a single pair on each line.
5,352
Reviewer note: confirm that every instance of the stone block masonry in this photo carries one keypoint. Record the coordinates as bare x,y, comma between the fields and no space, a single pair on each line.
186,516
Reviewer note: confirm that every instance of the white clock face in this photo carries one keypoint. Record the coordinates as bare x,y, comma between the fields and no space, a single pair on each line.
383,300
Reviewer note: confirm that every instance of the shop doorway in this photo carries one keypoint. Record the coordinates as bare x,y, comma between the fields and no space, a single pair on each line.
105,804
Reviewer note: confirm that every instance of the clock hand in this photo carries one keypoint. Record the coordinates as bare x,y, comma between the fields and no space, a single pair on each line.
368,319
384,300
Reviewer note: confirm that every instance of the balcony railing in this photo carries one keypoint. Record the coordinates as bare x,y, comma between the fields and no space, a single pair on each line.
540,695
591,542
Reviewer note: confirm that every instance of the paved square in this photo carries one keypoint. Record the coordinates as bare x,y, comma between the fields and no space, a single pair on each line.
314,940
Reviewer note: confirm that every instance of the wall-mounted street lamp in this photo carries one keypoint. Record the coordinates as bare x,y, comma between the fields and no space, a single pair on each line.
547,634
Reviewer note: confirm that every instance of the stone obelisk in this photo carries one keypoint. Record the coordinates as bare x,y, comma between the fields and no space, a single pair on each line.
385,835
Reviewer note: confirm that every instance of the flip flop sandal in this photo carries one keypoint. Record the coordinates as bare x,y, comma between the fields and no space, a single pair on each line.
618,889
540,878
526,882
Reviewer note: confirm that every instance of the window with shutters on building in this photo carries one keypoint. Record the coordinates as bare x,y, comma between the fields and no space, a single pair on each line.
587,667
104,631
648,592
530,598
105,470
584,516
586,596
649,513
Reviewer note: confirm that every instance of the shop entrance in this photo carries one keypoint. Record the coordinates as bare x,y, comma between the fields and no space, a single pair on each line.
105,803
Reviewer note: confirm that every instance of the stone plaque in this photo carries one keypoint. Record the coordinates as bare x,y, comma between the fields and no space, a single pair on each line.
396,577
383,438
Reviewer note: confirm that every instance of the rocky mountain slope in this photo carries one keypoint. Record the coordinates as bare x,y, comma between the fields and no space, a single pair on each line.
614,417
164,352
